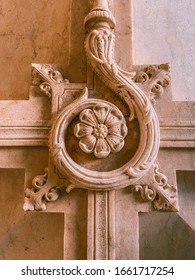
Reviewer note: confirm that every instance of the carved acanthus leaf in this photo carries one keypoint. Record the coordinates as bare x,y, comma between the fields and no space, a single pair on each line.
154,80
167,194
47,72
42,191
147,193
163,195
44,76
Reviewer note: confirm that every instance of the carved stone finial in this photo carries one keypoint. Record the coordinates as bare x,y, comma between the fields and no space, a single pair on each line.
99,14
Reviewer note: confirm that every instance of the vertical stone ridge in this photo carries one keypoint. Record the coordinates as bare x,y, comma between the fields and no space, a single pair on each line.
111,225
90,226
101,226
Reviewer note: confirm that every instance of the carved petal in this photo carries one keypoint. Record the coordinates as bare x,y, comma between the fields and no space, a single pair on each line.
101,112
87,116
102,149
87,143
113,118
82,129
118,130
116,143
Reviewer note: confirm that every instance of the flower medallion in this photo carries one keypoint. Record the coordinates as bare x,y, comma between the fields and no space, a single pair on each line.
101,131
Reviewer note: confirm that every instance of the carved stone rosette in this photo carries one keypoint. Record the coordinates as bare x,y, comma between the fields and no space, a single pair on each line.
100,128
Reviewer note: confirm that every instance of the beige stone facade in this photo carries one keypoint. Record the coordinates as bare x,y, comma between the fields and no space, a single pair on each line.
97,158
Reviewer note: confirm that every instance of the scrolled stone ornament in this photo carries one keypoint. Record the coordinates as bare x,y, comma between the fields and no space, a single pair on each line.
99,128
100,118
99,47
97,112
162,194
154,79
42,191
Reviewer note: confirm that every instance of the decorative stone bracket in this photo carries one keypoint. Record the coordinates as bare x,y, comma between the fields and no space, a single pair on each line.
105,140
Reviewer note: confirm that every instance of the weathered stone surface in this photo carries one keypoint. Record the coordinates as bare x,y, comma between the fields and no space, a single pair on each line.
19,233
94,225
174,238
165,33
39,31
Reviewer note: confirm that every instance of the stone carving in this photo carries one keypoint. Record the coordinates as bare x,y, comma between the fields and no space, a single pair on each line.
79,176
44,76
99,46
56,76
163,195
154,79
102,130
46,89
147,193
42,190
48,71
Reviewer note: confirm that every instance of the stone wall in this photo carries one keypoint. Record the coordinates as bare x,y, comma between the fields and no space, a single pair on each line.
164,32
52,32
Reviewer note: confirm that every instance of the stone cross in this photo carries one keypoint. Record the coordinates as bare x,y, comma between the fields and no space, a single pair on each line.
104,136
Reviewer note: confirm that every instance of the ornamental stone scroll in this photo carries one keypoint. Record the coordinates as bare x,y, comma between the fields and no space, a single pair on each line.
104,139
